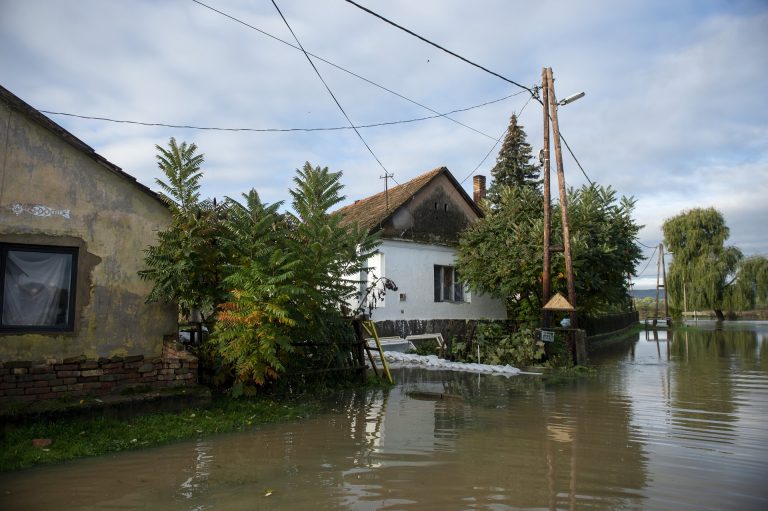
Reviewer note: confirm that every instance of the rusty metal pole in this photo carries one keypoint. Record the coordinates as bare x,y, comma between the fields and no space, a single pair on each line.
546,276
563,198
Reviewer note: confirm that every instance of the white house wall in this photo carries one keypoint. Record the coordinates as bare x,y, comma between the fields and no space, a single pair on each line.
411,266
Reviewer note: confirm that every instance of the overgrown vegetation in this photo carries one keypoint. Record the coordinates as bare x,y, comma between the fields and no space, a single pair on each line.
97,436
501,254
263,280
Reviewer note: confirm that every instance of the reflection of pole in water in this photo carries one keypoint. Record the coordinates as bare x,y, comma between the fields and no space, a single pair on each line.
551,476
656,338
670,338
573,475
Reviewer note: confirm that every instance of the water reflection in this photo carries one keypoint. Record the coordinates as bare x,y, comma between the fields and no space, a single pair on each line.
672,421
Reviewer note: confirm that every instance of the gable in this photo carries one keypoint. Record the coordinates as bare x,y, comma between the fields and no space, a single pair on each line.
16,104
435,214
431,208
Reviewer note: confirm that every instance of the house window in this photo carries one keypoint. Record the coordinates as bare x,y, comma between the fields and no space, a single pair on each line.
37,287
448,286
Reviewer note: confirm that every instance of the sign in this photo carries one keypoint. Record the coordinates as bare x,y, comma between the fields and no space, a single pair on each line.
547,335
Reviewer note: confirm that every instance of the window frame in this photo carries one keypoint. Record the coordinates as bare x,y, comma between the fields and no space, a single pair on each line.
74,253
453,287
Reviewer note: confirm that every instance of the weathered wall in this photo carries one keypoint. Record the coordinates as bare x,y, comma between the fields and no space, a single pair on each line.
411,266
25,381
436,214
53,193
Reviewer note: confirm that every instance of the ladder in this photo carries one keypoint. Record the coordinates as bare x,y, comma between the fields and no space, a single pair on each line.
370,327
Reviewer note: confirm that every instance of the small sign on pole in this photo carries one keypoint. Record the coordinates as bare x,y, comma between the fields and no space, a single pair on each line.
547,335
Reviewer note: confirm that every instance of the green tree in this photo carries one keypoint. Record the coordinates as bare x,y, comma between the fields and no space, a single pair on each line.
701,261
750,288
513,164
184,265
502,253
289,279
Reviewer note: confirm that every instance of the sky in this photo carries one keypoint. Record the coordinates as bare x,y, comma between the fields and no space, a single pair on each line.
675,112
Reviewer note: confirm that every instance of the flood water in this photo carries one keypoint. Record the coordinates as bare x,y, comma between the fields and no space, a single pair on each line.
679,423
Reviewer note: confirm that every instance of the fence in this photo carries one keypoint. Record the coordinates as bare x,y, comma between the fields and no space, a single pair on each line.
608,323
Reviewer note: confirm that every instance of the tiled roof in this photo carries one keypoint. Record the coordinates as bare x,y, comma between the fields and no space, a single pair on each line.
372,211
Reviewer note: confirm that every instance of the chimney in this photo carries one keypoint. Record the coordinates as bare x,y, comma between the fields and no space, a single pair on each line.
478,188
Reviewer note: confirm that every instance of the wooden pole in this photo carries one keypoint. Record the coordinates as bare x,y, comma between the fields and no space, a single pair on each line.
563,198
666,293
658,275
546,276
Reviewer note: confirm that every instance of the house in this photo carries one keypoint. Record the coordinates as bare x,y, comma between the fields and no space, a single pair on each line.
419,223
73,227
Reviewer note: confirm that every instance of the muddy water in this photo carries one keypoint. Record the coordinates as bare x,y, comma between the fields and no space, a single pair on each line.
677,423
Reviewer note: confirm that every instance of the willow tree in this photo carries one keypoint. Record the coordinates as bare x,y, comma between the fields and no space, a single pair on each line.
703,268
750,288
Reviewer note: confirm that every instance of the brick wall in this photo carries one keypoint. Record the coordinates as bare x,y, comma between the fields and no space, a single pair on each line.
24,381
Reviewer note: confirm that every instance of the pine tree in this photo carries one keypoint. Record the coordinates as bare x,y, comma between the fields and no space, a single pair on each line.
513,164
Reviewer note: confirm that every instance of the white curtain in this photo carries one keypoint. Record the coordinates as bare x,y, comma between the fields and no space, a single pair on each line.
36,290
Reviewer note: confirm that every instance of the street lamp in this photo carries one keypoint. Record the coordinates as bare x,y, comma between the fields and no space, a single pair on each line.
571,98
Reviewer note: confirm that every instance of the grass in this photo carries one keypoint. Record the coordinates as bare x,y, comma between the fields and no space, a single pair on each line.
83,437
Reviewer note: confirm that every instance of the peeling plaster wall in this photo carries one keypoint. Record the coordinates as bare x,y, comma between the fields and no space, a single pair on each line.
52,193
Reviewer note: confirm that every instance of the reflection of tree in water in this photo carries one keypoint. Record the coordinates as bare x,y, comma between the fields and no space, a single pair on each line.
529,444
702,391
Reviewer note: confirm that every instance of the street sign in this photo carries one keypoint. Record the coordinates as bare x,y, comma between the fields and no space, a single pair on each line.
547,336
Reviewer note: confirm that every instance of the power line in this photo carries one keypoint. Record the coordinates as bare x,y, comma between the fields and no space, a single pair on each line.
574,158
494,145
646,246
650,258
279,130
340,68
329,89
439,47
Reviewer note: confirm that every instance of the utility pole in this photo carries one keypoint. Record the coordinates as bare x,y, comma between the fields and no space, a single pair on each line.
386,177
563,198
546,276
661,281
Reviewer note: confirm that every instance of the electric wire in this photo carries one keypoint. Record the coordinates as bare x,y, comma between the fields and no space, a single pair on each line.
529,89
650,258
574,158
340,68
329,89
449,52
494,145
646,246
279,130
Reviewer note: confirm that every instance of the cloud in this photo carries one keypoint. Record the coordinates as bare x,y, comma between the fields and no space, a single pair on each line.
674,113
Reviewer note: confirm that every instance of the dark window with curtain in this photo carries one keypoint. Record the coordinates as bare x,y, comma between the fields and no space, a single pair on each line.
37,291
448,286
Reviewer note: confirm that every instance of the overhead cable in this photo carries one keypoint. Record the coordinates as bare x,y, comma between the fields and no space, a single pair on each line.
329,89
386,20
333,128
340,68
650,258
494,145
